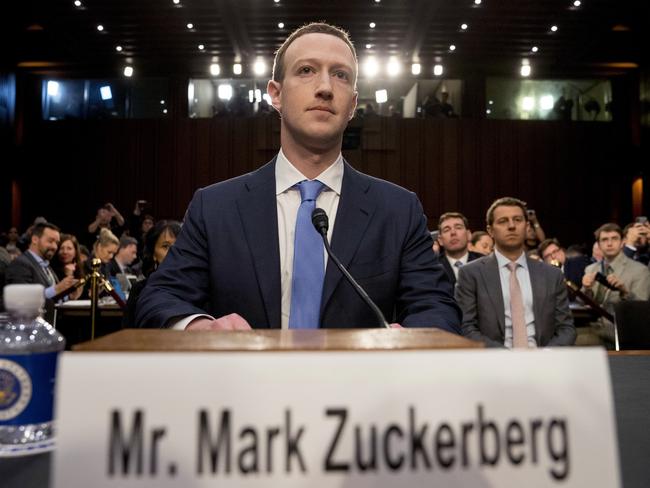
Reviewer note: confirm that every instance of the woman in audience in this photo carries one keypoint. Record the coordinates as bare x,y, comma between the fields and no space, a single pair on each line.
156,245
481,243
104,249
67,262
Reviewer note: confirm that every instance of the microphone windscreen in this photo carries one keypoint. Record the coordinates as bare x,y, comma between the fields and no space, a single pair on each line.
320,221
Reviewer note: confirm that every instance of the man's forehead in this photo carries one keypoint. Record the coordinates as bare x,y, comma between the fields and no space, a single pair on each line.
452,221
504,210
316,44
609,234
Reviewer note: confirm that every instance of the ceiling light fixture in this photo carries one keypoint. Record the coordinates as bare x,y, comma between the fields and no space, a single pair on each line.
100,27
416,69
259,68
118,49
438,70
215,69
236,68
280,25
128,71
554,28
452,47
477,2
201,47
77,3
372,25
534,49
577,3
463,26
190,26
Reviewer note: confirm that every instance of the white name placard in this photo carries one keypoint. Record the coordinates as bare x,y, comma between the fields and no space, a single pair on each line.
336,419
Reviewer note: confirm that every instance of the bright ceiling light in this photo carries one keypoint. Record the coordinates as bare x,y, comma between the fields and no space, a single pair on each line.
276,1
267,97
535,49
105,92
370,67
438,69
118,49
416,69
577,3
452,47
215,69
201,47
546,102
259,68
176,2
128,71
52,88
77,3
393,68
372,25
164,110
368,46
100,27
477,2
280,25
190,25
236,68
381,96
224,92
525,70
528,104
162,102
554,28
463,26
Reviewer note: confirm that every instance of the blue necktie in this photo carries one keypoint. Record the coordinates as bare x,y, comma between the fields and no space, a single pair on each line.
308,264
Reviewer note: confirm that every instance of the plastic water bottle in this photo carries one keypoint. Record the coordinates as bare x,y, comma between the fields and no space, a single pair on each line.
29,349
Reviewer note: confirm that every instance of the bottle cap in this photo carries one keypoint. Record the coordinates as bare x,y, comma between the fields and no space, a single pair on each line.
24,298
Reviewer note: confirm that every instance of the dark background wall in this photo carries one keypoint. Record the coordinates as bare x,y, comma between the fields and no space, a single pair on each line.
576,175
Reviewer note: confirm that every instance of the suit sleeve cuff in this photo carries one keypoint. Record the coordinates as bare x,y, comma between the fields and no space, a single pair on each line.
185,321
50,292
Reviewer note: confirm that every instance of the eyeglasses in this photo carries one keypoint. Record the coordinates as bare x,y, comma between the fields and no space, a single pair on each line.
551,254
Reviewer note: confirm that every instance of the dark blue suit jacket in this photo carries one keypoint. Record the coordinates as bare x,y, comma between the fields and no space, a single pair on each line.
226,259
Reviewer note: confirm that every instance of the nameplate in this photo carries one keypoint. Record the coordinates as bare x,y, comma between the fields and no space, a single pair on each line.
336,419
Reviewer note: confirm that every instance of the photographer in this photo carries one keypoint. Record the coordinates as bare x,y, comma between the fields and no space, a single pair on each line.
636,240
141,223
534,232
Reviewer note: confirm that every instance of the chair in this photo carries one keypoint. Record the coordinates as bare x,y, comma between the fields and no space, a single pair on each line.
632,325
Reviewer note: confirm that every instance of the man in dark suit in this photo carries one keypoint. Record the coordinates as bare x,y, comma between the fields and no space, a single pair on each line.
33,266
453,237
241,260
510,300
573,268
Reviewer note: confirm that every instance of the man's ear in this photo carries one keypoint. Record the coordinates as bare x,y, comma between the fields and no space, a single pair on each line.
354,106
489,231
274,89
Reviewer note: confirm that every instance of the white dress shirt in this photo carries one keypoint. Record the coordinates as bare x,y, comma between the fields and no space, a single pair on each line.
288,201
454,267
523,276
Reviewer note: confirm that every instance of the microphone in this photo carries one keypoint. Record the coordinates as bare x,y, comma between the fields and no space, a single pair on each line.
321,223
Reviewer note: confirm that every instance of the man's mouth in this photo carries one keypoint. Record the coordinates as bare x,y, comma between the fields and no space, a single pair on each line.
322,109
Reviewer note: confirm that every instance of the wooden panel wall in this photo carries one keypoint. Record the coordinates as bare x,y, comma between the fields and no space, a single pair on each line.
573,174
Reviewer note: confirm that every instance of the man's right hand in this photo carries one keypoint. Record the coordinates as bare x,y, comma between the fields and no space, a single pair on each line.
64,284
588,280
227,322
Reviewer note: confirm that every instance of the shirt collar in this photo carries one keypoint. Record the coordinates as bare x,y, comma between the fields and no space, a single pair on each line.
39,259
287,175
463,259
617,261
503,261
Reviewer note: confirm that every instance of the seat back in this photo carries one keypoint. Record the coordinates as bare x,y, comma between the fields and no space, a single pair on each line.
633,324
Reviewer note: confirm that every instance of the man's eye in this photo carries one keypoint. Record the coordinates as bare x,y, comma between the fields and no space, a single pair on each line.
342,75
305,70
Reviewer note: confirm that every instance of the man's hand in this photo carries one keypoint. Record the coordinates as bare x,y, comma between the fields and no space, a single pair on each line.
588,280
632,236
395,326
227,322
617,283
64,284
69,269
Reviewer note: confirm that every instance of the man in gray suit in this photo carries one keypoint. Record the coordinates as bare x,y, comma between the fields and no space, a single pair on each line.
627,279
507,299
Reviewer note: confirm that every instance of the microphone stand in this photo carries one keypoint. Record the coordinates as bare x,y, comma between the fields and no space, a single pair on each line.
321,223
98,282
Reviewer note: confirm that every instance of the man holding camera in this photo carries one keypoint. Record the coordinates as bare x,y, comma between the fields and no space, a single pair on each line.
615,278
636,240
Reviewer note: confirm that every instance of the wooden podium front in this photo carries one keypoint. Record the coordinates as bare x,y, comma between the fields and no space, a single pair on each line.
278,340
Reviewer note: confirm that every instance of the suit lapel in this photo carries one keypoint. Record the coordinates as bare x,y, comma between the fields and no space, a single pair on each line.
258,212
490,272
353,215
537,284
45,279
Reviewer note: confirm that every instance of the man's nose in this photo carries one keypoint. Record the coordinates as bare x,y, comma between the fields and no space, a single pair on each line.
324,89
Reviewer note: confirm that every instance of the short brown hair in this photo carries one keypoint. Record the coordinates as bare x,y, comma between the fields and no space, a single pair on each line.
452,215
476,236
38,229
505,202
313,28
609,227
545,243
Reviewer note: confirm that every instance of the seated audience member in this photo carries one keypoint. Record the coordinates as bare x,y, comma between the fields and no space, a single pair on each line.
84,254
12,236
125,256
158,241
453,238
481,243
107,218
33,266
534,232
5,259
627,279
507,299
575,250
67,262
140,223
596,253
636,242
573,268
104,249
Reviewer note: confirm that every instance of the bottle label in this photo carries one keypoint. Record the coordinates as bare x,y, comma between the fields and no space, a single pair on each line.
27,388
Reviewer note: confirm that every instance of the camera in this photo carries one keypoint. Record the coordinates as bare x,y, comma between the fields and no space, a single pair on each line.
602,279
641,220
